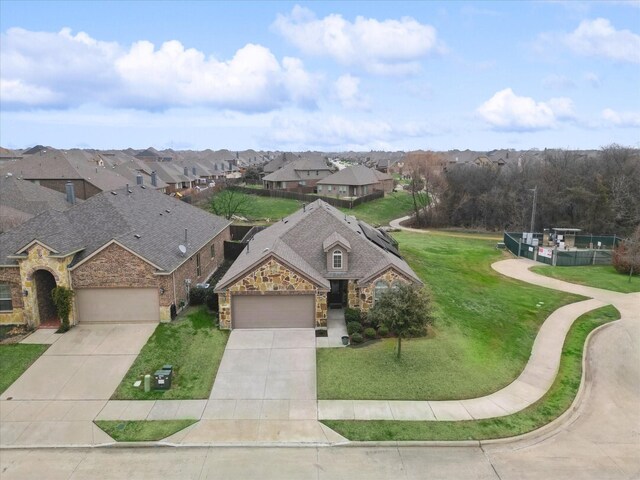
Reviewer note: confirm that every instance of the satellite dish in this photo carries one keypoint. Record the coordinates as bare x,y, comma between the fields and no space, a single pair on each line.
182,249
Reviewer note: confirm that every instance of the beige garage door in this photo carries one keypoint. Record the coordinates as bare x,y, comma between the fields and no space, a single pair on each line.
273,311
117,305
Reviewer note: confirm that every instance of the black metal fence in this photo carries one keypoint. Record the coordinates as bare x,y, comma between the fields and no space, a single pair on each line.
304,197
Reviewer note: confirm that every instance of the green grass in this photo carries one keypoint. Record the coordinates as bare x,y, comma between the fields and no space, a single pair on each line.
260,208
142,430
599,276
484,330
555,402
383,210
193,345
15,358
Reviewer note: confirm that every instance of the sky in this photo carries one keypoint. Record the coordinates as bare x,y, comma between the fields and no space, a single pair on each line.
326,76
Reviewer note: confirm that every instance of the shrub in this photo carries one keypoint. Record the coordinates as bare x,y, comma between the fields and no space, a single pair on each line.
352,315
356,338
370,332
211,300
354,327
197,295
63,300
383,330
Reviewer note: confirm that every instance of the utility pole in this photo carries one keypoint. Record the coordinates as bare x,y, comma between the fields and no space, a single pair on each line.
533,209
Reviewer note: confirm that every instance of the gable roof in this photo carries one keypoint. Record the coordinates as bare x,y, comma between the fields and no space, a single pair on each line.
334,239
159,220
299,239
355,175
290,171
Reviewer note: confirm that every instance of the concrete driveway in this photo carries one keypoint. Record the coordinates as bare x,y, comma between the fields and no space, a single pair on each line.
86,363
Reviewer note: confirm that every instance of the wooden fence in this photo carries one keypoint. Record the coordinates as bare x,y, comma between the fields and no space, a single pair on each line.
303,197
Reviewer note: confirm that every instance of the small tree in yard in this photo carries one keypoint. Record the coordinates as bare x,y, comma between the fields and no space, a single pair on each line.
403,309
229,202
626,258
63,300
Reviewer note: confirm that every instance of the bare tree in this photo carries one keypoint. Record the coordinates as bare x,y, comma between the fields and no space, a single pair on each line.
229,202
424,169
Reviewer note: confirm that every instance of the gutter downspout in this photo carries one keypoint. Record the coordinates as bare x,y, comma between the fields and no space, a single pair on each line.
175,299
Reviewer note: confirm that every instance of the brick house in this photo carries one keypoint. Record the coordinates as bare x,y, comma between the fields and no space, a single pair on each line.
299,173
355,181
119,251
318,257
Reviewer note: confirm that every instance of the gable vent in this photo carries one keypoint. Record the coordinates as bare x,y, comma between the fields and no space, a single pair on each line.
136,235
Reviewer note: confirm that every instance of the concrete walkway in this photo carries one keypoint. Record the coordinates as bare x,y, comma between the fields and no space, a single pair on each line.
336,329
530,386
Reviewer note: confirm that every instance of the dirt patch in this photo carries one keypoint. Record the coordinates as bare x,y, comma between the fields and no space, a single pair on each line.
13,333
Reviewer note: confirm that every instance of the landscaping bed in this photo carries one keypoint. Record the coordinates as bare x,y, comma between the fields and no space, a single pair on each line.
482,336
553,404
192,344
598,276
142,430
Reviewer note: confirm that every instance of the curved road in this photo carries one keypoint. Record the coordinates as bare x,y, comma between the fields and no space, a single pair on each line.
601,442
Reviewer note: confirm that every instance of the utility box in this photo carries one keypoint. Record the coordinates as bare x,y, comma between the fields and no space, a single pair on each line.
162,380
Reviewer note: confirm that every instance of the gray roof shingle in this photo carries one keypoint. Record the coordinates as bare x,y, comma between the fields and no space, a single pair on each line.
159,220
355,175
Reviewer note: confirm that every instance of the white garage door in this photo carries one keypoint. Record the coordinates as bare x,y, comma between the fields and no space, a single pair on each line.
273,311
117,305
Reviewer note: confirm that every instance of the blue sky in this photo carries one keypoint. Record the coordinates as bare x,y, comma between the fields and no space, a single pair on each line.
320,75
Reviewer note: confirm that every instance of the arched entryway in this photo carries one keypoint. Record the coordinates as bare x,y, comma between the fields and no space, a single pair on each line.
45,282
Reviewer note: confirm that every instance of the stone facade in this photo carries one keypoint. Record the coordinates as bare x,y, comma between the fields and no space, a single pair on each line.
362,296
269,277
11,276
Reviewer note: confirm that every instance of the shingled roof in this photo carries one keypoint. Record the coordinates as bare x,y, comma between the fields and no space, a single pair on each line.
299,240
145,221
355,175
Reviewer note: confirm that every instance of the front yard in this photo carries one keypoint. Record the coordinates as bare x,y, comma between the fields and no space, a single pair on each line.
192,344
484,330
15,358
599,276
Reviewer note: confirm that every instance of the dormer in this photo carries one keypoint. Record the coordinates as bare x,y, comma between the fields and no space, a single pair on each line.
337,249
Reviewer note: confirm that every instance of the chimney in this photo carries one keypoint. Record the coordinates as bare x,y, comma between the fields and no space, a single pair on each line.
71,193
186,171
154,179
193,170
139,179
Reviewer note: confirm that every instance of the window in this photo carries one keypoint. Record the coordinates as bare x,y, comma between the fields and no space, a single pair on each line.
283,184
395,284
213,250
337,259
379,288
5,298
319,188
308,173
328,188
302,182
198,269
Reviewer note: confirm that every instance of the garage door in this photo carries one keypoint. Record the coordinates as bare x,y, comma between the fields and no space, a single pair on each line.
117,305
273,311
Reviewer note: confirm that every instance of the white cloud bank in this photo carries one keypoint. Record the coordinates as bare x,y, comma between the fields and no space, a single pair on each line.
621,119
347,91
380,47
507,111
60,69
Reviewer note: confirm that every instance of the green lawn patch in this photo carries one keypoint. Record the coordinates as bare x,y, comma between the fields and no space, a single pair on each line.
193,345
15,358
258,209
142,430
599,276
484,329
556,401
383,210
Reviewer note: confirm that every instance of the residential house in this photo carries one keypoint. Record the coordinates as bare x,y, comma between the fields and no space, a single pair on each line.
21,200
129,256
291,271
304,172
354,181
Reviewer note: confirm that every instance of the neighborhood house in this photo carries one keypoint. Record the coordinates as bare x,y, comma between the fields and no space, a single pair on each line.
129,255
355,181
289,273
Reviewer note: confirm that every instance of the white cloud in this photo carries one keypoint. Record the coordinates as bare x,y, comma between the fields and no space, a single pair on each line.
621,119
381,47
557,82
43,68
347,91
597,38
508,111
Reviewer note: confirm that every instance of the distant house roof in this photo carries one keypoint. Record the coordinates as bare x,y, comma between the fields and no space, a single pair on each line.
355,175
299,240
291,171
145,221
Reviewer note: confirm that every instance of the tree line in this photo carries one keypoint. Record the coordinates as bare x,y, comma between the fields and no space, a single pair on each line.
597,193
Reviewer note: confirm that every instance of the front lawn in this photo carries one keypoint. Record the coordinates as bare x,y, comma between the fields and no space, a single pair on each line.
383,210
142,430
599,276
484,329
553,404
193,345
15,358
